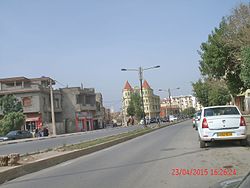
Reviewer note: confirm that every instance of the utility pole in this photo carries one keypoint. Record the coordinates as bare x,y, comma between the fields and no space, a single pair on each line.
142,100
52,108
170,102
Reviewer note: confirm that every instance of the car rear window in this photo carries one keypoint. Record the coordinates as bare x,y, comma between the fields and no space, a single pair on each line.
221,111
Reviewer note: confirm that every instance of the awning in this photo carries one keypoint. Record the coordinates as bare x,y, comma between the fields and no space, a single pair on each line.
32,119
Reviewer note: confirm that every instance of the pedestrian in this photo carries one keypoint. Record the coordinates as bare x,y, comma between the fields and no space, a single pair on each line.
40,132
158,120
45,131
36,132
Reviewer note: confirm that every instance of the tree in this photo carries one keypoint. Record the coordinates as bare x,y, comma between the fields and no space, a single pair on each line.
134,107
201,90
245,66
222,55
9,104
238,25
13,117
131,109
211,92
11,121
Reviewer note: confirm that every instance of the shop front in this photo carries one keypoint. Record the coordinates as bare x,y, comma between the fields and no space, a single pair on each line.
84,121
33,122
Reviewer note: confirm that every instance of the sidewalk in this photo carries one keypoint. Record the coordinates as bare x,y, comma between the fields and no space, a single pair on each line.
247,119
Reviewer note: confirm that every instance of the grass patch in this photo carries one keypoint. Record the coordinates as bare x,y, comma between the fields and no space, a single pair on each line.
102,140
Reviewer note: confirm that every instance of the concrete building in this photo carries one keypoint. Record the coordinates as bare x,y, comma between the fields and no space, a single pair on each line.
151,101
243,102
82,109
75,108
34,94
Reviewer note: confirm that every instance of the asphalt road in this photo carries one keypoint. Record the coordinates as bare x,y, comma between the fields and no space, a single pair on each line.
153,160
38,144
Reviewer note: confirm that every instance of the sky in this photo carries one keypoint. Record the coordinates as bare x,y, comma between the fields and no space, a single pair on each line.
89,41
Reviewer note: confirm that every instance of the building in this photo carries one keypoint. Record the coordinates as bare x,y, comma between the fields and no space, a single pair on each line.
75,108
151,101
174,105
243,101
34,94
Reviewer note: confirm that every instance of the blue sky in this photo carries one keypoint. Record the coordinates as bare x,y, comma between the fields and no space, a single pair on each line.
80,41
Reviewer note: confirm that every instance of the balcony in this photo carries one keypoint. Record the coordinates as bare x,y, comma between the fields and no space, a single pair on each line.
19,89
81,107
48,109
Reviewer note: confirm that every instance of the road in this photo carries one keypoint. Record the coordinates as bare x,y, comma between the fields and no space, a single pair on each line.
145,162
42,144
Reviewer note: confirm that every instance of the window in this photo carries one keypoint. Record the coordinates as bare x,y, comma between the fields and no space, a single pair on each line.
77,99
26,101
221,111
57,104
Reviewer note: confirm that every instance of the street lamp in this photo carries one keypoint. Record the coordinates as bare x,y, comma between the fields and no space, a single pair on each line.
140,71
169,97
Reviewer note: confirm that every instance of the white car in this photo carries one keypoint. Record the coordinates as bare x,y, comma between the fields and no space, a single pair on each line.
172,118
222,123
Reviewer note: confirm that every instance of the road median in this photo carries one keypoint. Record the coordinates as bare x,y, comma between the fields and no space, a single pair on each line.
56,156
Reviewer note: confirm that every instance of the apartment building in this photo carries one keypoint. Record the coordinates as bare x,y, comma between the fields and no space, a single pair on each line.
151,101
174,105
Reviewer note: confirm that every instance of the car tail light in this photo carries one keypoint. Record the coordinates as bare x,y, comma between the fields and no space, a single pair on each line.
204,123
242,121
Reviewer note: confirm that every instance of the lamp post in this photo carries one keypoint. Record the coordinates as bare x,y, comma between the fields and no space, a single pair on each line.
140,71
52,108
169,97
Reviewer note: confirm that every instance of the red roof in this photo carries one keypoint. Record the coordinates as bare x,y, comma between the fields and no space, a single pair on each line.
145,85
128,86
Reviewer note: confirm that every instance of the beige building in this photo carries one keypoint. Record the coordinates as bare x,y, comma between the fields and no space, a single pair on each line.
175,105
151,101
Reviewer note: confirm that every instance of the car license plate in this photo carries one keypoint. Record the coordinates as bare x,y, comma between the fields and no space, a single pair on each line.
224,134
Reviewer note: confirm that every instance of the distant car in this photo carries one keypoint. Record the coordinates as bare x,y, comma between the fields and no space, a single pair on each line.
172,118
197,119
164,119
18,134
153,120
222,123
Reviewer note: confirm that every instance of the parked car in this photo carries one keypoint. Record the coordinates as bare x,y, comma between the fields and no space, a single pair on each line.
197,119
153,120
221,123
18,134
193,120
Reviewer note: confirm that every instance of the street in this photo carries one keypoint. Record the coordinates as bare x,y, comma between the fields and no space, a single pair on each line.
38,144
158,159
